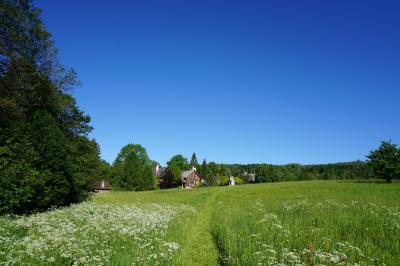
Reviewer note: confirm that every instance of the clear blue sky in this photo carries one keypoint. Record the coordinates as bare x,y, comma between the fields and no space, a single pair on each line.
235,82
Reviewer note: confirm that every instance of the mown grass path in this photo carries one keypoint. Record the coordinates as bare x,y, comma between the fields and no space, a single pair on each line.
193,230
198,245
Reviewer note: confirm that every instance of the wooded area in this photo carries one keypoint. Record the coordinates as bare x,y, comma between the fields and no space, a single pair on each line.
46,158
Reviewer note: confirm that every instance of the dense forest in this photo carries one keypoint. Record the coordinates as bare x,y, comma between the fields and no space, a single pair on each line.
46,158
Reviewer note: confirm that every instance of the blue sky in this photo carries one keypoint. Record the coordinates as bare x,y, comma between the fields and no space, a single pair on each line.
234,81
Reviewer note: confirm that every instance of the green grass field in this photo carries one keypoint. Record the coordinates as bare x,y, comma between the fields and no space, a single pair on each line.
288,223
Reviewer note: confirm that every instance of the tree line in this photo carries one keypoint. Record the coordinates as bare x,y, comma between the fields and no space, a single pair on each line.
48,160
133,170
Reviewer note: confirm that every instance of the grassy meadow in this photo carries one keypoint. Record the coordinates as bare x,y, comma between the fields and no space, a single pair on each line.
287,223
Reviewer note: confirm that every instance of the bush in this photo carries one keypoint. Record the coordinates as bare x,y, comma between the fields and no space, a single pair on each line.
238,180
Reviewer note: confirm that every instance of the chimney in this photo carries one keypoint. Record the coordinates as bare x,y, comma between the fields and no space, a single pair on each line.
193,168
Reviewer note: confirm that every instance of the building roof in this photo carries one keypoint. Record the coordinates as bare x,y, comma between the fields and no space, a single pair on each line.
185,174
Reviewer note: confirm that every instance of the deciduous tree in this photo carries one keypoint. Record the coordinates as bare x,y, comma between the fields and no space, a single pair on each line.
266,173
132,169
176,165
46,158
384,162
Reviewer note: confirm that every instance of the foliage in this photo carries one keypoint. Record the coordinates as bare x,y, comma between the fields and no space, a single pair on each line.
132,169
297,172
238,180
266,173
105,171
202,169
176,165
215,180
213,173
46,158
193,160
212,169
210,174
385,161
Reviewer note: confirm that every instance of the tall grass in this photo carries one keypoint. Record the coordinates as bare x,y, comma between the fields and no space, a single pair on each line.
309,223
293,223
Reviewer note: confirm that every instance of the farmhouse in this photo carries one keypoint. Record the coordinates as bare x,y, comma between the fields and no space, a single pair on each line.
102,186
190,179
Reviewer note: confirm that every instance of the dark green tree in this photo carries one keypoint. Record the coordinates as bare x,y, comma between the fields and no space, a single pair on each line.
104,171
46,159
384,162
212,176
223,170
265,173
193,160
176,165
203,169
213,169
132,169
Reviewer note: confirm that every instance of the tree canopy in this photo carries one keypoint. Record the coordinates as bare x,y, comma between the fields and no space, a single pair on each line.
132,169
46,158
265,173
385,161
193,160
176,165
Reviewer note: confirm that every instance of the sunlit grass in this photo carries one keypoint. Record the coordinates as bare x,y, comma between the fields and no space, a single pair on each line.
309,223
90,234
303,223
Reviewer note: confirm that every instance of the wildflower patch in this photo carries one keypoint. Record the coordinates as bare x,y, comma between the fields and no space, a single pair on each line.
88,234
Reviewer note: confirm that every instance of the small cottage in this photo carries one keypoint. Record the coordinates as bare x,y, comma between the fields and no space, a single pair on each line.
102,186
190,179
